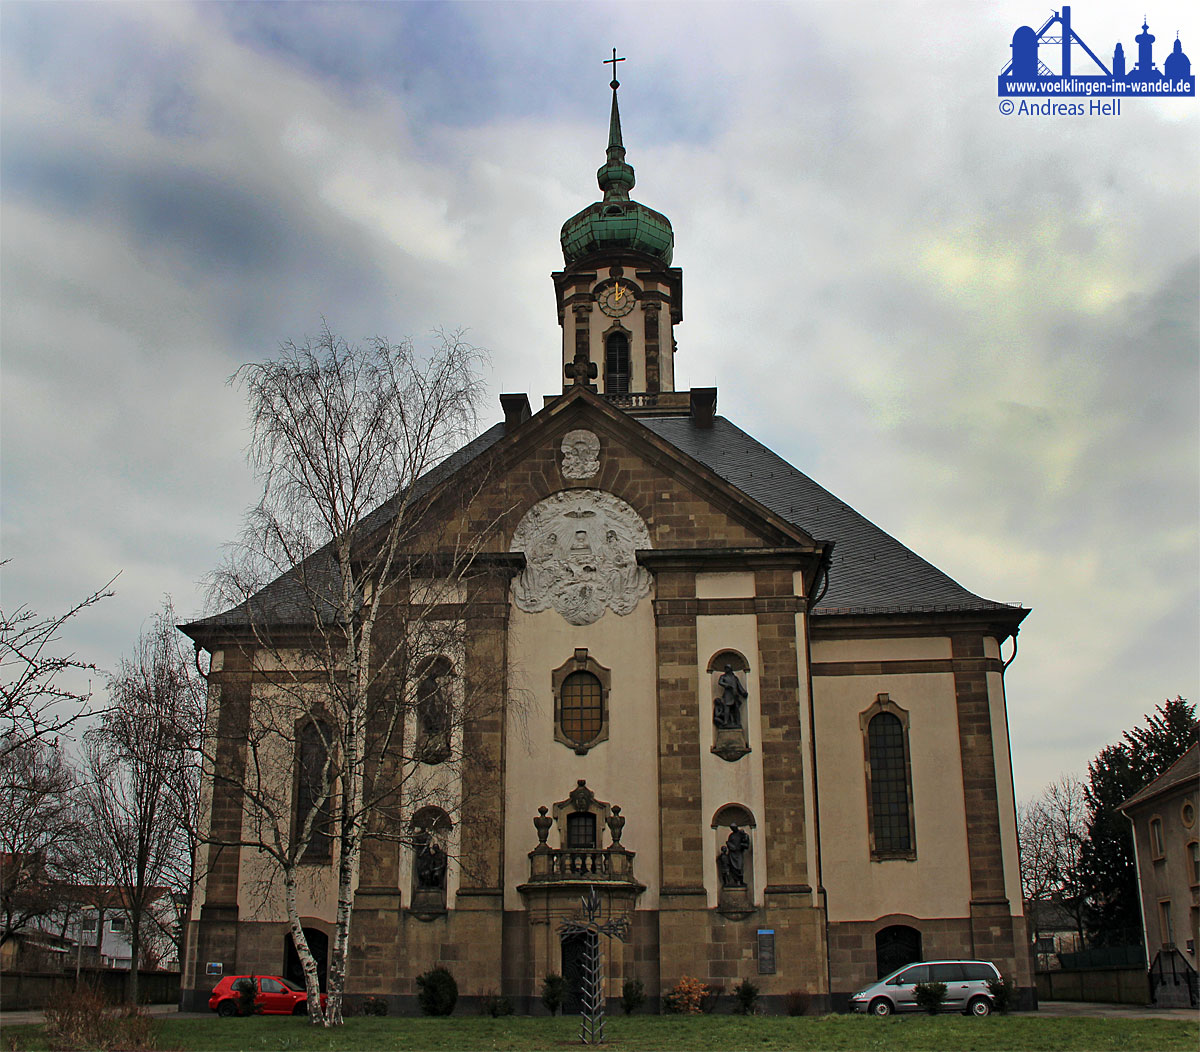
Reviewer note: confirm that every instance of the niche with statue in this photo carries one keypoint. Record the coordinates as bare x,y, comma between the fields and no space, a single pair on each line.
728,672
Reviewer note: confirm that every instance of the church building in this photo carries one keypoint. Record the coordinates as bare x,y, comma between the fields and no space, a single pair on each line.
771,737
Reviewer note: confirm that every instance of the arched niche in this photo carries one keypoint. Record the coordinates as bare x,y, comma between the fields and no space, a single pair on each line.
729,691
734,834
429,838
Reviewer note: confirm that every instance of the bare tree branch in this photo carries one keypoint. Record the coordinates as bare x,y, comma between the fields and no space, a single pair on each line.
34,703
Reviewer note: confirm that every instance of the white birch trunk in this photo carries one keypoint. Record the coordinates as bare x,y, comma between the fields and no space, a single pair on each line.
312,985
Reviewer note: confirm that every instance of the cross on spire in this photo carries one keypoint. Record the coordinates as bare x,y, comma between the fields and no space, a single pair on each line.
614,84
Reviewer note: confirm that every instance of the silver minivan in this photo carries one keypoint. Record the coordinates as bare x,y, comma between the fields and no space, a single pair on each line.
966,988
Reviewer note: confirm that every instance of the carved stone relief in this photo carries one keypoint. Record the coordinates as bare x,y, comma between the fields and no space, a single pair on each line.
581,454
580,550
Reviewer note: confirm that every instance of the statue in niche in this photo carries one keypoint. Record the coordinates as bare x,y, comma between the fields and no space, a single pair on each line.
581,454
731,862
727,709
431,861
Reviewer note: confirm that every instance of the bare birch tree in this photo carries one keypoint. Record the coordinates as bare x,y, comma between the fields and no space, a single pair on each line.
143,773
352,597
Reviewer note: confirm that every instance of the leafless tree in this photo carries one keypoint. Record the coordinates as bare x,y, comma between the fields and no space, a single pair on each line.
353,596
42,833
1051,829
143,774
35,702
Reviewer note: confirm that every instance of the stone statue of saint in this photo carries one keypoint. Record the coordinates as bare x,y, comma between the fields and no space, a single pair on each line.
734,850
727,709
724,870
431,864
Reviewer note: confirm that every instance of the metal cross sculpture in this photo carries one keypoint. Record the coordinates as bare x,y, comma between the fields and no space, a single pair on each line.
591,1030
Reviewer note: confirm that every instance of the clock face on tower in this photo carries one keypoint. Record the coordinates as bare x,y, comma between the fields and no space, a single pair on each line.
617,300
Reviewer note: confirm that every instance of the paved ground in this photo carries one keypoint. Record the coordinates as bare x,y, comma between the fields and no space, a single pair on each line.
1047,1008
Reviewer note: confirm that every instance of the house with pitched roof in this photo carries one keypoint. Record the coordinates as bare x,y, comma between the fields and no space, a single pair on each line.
770,735
1166,847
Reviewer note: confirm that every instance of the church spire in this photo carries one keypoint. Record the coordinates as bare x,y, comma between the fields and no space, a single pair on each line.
615,176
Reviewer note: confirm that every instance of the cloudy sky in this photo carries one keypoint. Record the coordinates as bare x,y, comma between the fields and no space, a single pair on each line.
980,330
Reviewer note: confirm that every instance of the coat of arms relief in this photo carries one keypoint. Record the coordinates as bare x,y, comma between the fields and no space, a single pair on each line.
581,556
581,454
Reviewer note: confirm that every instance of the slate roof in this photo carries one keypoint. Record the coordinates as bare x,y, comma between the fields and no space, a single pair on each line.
287,599
1184,770
872,572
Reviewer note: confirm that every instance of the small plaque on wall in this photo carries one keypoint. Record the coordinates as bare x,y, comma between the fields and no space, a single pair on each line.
766,951
214,968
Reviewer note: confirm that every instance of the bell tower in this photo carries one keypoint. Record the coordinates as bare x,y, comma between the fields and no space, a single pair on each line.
619,299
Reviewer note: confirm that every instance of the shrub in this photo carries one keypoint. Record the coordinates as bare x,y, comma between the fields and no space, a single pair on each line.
554,992
374,1006
1002,990
495,1005
930,996
712,995
633,996
745,996
247,990
687,997
797,1002
84,1020
437,992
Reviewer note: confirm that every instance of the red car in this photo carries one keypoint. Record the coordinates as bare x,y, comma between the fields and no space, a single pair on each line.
273,996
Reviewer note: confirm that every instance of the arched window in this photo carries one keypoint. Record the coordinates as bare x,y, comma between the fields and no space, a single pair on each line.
616,364
896,946
314,788
434,713
582,709
581,830
889,780
581,702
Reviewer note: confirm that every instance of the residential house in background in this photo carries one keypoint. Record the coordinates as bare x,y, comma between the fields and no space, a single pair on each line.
1166,842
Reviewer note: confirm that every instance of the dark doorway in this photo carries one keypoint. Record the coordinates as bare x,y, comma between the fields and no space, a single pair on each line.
318,943
573,947
895,947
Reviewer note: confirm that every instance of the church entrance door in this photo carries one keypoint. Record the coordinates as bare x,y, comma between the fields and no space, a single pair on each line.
573,947
318,943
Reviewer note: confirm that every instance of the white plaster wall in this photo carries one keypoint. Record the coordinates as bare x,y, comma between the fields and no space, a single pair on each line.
260,881
899,649
937,883
725,586
1004,792
622,770
721,782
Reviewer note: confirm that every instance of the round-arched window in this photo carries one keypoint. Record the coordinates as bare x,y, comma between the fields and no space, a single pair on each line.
582,707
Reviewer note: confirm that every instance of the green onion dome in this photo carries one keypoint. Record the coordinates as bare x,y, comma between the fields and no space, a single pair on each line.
617,222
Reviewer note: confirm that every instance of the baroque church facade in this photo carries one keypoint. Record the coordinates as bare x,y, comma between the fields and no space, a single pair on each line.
770,736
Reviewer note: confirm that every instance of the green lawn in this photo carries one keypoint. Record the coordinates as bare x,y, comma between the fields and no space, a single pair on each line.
664,1033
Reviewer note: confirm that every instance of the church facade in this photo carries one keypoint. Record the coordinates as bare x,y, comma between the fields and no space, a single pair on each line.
770,736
